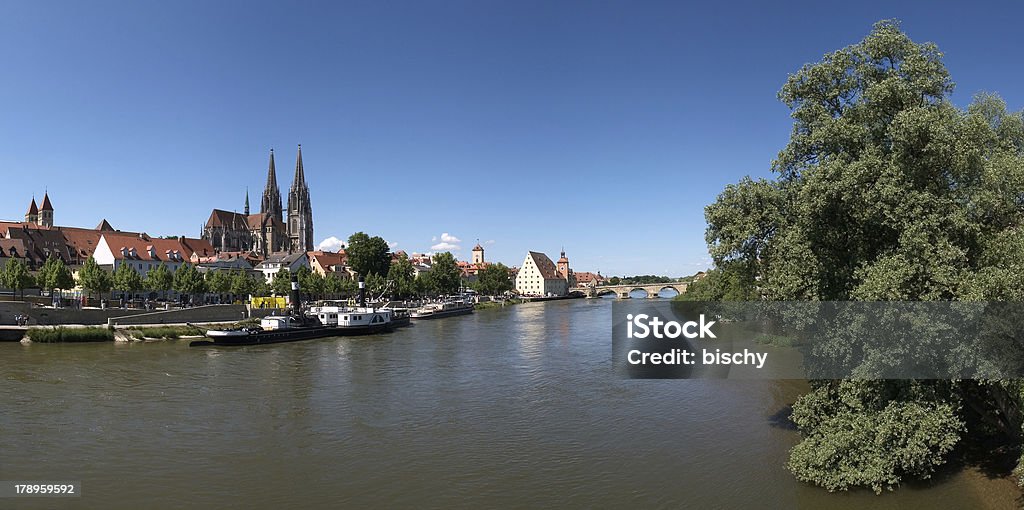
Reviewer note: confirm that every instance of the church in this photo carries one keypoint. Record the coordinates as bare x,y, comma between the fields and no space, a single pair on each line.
267,231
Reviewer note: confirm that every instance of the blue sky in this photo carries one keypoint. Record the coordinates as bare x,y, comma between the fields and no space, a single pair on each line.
603,127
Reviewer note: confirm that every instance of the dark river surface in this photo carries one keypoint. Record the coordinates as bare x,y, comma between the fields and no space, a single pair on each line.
506,408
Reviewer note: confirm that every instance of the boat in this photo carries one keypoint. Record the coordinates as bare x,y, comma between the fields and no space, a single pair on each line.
443,309
273,329
357,320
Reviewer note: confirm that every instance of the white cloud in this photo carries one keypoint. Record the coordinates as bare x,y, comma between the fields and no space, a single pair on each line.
331,244
448,243
392,245
445,247
489,241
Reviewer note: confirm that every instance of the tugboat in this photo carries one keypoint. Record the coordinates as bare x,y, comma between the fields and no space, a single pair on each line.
357,320
274,329
444,309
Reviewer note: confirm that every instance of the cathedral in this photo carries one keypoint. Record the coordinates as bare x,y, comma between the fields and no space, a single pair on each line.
267,231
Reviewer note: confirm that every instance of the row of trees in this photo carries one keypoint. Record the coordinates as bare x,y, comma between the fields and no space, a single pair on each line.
368,256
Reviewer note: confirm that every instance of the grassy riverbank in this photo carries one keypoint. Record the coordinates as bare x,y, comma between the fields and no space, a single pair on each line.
63,334
496,304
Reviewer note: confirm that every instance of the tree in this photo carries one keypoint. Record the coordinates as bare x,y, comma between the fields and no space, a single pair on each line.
493,280
218,282
16,276
733,281
423,284
126,279
55,275
339,286
368,255
445,275
188,282
310,282
93,278
242,284
615,280
159,279
885,191
403,276
281,284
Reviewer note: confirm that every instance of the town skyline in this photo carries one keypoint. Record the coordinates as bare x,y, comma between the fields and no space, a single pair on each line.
581,128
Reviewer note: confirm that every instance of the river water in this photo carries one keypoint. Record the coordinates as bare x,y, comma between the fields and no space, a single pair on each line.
513,407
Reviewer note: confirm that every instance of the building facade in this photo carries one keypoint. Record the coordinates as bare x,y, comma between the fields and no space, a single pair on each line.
268,231
539,276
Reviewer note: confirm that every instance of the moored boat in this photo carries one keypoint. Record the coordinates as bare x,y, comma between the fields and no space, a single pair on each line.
443,309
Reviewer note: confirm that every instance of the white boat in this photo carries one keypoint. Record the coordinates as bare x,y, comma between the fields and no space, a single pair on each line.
354,320
444,309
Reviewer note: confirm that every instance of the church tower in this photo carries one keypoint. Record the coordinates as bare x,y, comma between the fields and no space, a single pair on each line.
46,212
32,216
246,201
478,253
300,212
271,203
563,265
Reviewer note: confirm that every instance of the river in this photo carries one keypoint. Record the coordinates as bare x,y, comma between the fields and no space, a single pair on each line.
513,407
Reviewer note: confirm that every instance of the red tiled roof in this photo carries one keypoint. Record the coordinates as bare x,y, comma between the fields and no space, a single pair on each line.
142,244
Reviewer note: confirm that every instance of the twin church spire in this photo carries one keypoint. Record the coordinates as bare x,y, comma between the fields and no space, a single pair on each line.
299,226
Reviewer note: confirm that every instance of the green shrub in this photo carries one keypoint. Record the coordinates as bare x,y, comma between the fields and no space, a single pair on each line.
63,334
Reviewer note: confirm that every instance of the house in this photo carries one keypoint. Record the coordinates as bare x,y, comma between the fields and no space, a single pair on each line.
588,279
11,249
140,252
328,262
278,261
539,276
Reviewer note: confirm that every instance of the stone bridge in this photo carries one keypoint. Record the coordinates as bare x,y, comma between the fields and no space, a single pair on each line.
622,291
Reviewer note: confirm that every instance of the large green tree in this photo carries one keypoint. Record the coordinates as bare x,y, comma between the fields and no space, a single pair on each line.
94,278
281,284
160,279
55,275
16,276
188,281
885,191
402,277
493,280
127,280
445,276
368,255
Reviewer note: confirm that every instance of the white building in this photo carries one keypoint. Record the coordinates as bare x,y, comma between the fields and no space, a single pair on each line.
142,253
539,277
276,262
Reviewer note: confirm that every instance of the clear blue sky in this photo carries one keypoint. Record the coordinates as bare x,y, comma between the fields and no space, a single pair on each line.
605,127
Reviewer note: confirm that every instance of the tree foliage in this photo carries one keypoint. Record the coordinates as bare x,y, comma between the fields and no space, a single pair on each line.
188,281
93,278
368,255
885,191
281,284
402,277
55,274
159,279
16,276
126,279
493,280
445,277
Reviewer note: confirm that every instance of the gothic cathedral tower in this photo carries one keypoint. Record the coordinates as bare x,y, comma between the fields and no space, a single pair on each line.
300,212
271,203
